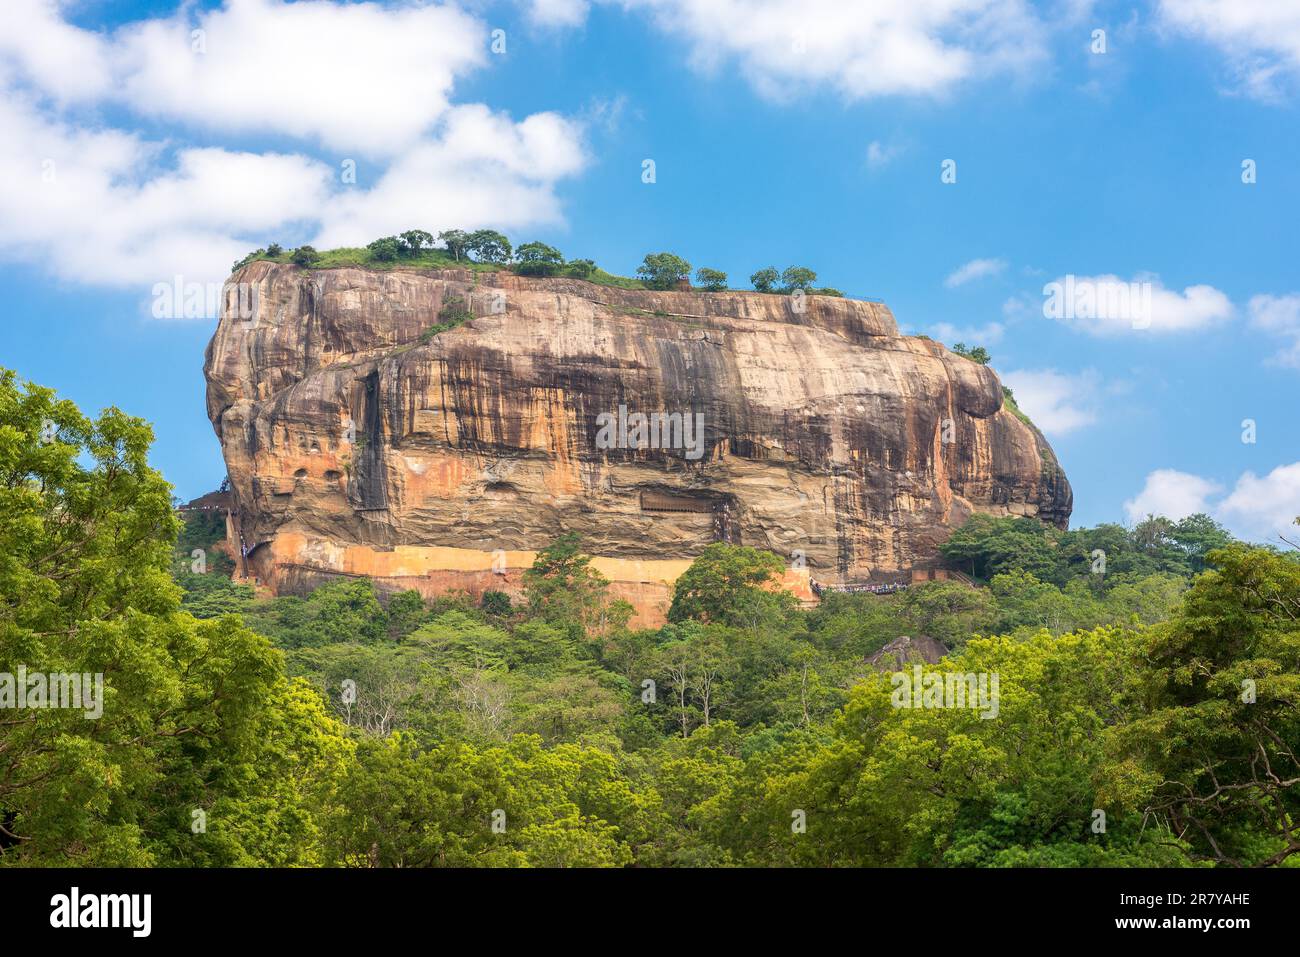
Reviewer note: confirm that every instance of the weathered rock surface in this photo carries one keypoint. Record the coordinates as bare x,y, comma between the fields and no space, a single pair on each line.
358,443
904,651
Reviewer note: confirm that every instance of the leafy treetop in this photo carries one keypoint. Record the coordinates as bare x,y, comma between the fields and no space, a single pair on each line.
663,270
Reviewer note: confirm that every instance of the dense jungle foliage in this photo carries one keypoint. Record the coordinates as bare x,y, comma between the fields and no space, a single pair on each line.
1148,683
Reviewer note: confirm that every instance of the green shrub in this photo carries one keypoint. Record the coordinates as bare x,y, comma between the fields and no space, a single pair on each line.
386,249
581,268
453,313
495,603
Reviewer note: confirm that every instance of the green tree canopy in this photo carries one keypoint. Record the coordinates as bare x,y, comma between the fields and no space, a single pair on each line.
305,256
765,280
194,720
415,240
538,259
732,585
663,270
562,587
712,279
797,277
488,246
456,242
1215,752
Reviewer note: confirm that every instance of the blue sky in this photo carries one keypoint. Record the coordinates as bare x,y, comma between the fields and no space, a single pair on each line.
782,133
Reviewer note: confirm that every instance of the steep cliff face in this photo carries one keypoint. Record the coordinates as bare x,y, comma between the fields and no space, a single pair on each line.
361,440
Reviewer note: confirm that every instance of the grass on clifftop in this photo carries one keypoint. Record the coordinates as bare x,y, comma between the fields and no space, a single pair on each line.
1009,401
363,258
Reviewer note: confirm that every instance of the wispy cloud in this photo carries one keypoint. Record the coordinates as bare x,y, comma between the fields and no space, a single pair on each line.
986,335
1279,316
973,270
880,155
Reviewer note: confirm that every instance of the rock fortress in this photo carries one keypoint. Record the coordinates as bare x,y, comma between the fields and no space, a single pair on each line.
433,428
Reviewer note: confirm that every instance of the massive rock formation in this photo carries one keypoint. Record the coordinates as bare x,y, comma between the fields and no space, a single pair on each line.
364,436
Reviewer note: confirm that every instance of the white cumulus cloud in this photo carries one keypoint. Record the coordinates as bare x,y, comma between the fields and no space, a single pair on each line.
1263,507
130,204
63,60
1260,38
860,50
557,13
482,161
361,78
1257,508
101,206
1107,305
1057,402
1172,494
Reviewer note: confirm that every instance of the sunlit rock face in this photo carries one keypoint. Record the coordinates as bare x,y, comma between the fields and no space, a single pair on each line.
360,442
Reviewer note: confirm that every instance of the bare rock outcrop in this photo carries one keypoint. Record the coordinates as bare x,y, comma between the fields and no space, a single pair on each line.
433,428
904,651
